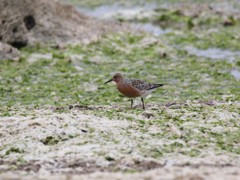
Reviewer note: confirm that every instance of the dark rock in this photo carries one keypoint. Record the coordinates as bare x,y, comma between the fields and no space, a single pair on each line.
27,22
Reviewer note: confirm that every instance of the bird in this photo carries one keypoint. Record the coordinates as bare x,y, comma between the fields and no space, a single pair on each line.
133,88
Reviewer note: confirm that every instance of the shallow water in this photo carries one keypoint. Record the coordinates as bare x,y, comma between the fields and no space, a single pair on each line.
109,11
236,74
154,29
214,53
116,10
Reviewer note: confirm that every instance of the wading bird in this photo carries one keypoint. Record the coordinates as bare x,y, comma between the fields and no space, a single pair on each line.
133,88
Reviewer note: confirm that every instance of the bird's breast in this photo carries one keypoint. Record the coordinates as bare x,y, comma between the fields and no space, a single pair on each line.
128,90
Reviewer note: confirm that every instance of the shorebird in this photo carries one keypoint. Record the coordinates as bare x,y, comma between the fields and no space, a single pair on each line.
133,88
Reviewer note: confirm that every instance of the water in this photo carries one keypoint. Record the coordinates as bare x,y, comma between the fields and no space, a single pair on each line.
128,13
236,74
154,29
214,53
110,11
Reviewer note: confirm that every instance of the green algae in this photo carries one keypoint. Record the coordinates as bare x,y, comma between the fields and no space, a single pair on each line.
14,150
58,82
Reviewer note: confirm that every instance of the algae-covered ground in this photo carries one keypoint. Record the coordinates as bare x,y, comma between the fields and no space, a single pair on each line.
59,120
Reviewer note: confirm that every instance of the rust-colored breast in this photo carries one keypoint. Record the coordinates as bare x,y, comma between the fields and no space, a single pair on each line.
128,90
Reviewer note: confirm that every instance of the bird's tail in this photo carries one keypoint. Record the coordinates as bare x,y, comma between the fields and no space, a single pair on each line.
155,86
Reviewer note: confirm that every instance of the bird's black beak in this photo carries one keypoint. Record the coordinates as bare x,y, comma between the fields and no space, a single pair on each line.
108,81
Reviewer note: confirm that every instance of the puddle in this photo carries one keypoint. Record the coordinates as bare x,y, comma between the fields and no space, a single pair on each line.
110,11
154,29
101,12
214,53
236,74
127,13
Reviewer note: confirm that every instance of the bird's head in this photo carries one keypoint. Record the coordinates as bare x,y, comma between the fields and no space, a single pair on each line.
116,78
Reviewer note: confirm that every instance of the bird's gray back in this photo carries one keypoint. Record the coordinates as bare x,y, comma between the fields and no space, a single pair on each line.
139,84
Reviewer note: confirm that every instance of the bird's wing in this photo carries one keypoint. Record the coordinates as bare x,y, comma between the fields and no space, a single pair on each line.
142,85
139,84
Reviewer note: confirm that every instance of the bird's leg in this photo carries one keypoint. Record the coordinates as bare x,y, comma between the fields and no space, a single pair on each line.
143,103
131,103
